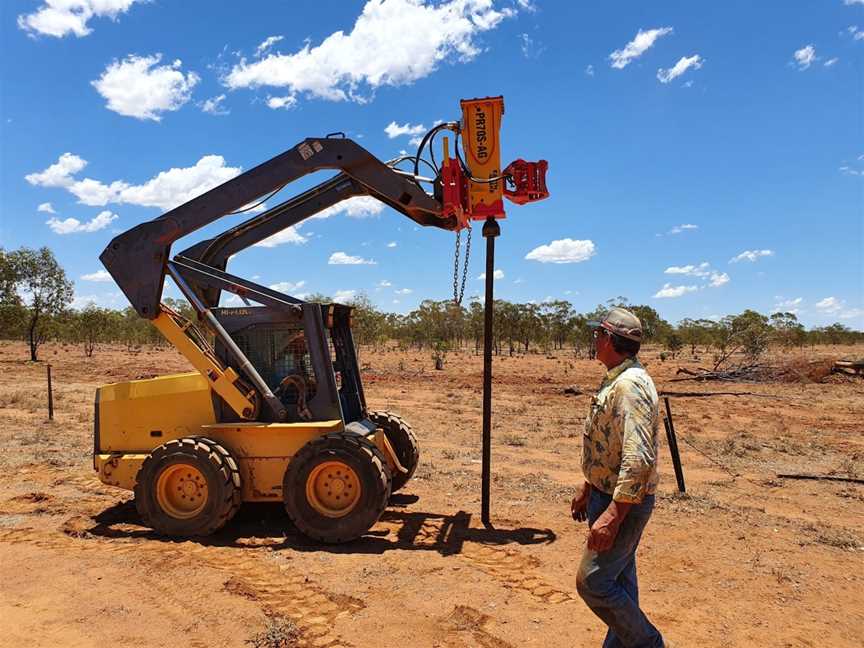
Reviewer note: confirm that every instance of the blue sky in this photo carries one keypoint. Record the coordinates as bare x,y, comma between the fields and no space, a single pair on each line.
704,157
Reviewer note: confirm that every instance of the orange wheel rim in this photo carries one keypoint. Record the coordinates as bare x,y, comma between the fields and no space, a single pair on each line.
333,489
181,491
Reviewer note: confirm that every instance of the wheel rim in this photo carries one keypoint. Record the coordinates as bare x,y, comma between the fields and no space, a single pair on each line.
333,489
181,491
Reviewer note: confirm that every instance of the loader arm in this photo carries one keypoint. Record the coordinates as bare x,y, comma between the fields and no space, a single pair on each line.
137,259
216,251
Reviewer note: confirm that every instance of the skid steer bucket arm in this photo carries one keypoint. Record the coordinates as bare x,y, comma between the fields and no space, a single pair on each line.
137,259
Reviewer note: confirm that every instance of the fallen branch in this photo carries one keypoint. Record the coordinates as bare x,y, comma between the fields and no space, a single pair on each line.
747,373
853,480
719,393
849,367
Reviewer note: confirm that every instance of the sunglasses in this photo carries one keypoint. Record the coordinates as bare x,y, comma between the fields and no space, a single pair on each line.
598,331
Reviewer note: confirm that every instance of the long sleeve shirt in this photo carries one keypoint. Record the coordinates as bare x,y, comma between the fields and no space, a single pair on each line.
619,446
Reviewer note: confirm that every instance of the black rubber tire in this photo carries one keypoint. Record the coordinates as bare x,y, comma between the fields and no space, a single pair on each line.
404,442
223,486
371,469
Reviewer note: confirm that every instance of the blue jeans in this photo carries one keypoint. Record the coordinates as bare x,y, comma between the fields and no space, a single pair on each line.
607,581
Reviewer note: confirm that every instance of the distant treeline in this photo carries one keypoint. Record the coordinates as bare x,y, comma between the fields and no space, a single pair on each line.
36,299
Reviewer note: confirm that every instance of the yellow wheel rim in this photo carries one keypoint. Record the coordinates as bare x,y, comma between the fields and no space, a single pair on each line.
333,489
181,491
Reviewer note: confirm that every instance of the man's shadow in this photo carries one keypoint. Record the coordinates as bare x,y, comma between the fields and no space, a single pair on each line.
267,524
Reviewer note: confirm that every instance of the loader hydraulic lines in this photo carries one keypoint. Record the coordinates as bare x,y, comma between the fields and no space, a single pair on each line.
274,410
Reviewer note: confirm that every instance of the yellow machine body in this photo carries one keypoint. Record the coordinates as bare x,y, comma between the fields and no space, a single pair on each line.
481,123
133,418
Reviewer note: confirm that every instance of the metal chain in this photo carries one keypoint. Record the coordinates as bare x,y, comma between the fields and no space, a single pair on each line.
459,292
465,267
456,299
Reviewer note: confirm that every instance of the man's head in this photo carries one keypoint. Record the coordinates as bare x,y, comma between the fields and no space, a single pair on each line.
617,336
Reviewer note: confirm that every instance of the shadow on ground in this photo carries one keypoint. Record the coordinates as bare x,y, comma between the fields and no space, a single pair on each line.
267,525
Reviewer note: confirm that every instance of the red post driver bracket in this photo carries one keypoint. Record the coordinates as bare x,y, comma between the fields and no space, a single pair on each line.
529,181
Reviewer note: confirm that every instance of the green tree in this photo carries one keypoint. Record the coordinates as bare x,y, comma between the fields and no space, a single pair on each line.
787,330
89,326
44,289
654,327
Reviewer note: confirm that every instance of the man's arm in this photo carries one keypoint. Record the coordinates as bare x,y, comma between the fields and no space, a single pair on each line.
638,449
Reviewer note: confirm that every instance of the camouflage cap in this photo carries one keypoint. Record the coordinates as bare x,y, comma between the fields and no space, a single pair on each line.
620,321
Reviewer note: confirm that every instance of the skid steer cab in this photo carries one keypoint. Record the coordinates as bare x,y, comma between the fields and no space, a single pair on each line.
274,409
192,461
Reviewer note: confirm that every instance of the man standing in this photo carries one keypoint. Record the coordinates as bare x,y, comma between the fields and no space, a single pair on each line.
619,462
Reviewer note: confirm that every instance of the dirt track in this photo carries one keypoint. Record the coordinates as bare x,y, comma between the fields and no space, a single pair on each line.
745,559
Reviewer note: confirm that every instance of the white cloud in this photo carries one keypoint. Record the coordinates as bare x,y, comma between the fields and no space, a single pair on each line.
392,43
751,255
702,270
269,42
138,87
74,226
640,44
340,258
287,102
856,33
166,190
589,70
563,251
718,279
787,305
669,291
61,17
287,287
496,275
391,244
681,228
288,235
354,207
342,296
46,207
831,61
830,305
384,284
849,3
837,308
99,275
213,106
683,64
805,57
713,278
530,48
58,174
394,130
404,291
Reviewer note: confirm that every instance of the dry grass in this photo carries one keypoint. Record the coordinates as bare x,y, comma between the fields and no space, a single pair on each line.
278,633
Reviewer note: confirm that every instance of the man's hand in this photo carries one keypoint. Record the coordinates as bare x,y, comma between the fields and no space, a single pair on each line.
602,534
579,505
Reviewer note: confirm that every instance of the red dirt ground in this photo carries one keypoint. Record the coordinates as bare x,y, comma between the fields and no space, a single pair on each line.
744,559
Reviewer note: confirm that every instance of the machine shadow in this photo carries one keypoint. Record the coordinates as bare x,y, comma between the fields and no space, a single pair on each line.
267,525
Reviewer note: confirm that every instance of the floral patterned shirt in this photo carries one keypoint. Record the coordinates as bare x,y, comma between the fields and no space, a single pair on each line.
619,447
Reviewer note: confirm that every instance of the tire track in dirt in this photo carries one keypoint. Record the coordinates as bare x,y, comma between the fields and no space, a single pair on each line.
510,567
85,483
467,620
279,590
515,571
